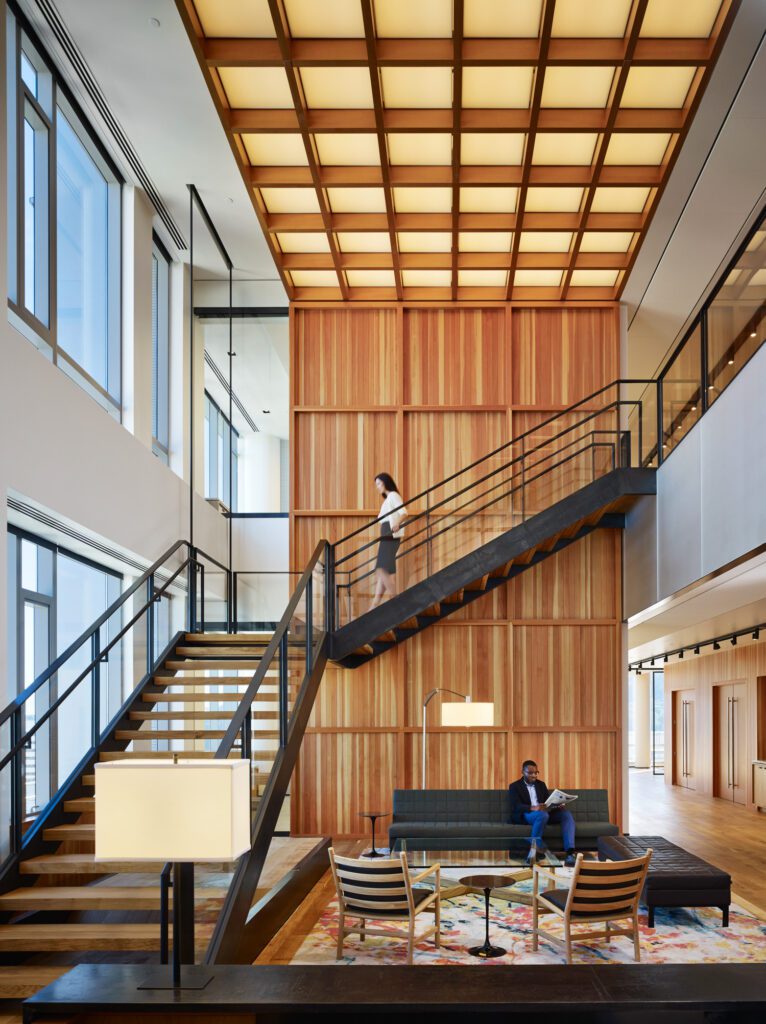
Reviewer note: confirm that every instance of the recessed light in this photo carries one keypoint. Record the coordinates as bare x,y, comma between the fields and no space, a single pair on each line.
711,387
664,446
752,334
694,408
731,362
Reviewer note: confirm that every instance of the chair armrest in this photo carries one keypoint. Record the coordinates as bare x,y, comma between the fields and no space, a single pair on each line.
548,873
434,869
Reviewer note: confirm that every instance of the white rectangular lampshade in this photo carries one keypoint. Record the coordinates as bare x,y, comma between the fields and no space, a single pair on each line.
191,811
468,713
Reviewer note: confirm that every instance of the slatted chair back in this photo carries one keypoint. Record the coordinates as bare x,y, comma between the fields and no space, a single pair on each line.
608,889
372,888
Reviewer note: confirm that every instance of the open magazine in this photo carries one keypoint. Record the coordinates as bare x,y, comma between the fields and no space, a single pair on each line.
558,796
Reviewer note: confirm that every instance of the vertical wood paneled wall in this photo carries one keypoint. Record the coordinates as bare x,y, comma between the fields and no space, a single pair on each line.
418,392
745,663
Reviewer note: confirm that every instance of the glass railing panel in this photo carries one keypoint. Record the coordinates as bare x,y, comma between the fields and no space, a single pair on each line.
6,794
261,598
736,317
681,392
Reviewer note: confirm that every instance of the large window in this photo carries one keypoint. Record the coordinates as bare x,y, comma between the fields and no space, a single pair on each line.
220,469
53,596
63,224
160,351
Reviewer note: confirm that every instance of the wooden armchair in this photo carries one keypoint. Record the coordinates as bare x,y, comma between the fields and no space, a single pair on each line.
598,893
383,890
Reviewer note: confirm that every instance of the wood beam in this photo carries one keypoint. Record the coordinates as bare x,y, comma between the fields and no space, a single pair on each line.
457,106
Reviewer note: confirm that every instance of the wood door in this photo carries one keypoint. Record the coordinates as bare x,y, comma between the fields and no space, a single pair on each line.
739,762
683,739
722,735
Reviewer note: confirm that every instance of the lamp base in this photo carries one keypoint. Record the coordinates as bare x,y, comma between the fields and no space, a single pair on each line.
192,977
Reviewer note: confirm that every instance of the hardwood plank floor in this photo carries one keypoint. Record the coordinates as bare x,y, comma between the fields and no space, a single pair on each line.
721,832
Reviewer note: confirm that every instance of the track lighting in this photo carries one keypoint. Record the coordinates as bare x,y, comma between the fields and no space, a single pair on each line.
756,633
652,662
696,649
665,659
680,654
716,646
734,641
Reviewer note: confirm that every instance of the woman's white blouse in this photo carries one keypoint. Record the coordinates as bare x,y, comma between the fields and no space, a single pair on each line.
393,503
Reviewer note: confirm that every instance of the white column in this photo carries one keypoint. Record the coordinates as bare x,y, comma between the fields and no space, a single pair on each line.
642,719
137,314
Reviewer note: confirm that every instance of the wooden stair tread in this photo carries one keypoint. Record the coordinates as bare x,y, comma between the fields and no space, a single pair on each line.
364,650
169,734
94,897
479,584
227,638
455,598
76,937
160,680
213,664
199,698
159,755
432,610
389,637
80,805
22,981
200,653
86,864
208,716
63,833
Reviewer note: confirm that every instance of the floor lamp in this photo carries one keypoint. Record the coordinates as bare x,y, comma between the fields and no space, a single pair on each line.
466,714
185,813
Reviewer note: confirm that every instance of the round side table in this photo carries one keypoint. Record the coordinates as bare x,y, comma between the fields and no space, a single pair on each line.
487,883
373,816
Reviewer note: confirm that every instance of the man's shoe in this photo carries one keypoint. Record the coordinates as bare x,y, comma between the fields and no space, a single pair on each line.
569,861
532,855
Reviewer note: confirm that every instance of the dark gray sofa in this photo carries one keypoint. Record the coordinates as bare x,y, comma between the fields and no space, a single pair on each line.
479,819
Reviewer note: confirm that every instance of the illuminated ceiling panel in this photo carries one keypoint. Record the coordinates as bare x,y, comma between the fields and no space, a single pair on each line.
408,152
409,148
513,19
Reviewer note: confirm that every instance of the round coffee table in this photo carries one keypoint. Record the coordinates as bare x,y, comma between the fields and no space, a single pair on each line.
487,883
373,816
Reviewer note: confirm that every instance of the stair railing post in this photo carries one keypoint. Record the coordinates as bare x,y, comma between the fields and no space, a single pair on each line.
234,608
429,552
246,743
201,569
164,914
150,625
228,601
17,781
192,591
329,583
309,624
523,479
659,422
95,682
283,677
592,455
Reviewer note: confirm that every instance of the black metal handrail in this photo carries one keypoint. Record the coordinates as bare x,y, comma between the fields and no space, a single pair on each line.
627,382
229,940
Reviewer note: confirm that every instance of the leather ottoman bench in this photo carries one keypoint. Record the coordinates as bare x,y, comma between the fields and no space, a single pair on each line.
676,878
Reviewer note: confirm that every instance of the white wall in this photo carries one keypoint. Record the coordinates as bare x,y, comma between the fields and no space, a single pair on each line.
710,507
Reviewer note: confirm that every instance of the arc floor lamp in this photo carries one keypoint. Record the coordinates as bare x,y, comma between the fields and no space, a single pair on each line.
467,714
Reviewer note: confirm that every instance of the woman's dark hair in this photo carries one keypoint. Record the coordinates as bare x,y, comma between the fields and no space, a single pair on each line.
388,482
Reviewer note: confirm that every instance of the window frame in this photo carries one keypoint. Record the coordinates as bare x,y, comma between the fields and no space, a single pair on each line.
61,100
161,351
211,446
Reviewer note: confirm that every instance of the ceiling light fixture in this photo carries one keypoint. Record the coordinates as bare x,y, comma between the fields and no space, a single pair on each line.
680,654
756,633
734,641
752,334
716,646
665,659
696,649
731,362
652,662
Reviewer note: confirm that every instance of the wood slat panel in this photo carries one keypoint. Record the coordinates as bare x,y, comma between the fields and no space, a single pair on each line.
338,776
568,584
568,676
469,659
354,448
561,355
455,357
345,357
364,697
571,760
458,760
437,444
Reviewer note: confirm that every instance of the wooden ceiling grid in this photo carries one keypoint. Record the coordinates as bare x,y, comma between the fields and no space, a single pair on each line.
525,230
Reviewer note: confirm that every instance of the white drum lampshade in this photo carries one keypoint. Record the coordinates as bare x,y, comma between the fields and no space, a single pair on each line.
188,811
468,714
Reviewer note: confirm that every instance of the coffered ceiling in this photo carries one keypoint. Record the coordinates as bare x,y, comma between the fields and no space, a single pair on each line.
456,149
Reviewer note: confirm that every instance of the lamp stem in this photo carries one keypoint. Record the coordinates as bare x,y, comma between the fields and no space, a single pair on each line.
429,697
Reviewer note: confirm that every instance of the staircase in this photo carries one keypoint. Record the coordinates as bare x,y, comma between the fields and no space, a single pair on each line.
66,902
578,471
216,693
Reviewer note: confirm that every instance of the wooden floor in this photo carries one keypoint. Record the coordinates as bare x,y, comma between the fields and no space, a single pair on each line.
723,833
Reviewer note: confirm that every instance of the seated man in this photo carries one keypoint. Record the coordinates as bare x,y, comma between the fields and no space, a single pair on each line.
528,796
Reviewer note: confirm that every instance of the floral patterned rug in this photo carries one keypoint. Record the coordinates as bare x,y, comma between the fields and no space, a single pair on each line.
680,936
